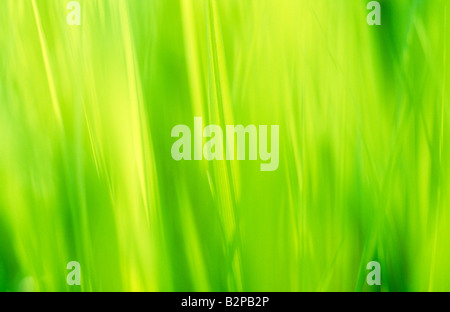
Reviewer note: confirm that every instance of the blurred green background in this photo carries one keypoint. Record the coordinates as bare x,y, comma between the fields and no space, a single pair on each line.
86,172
